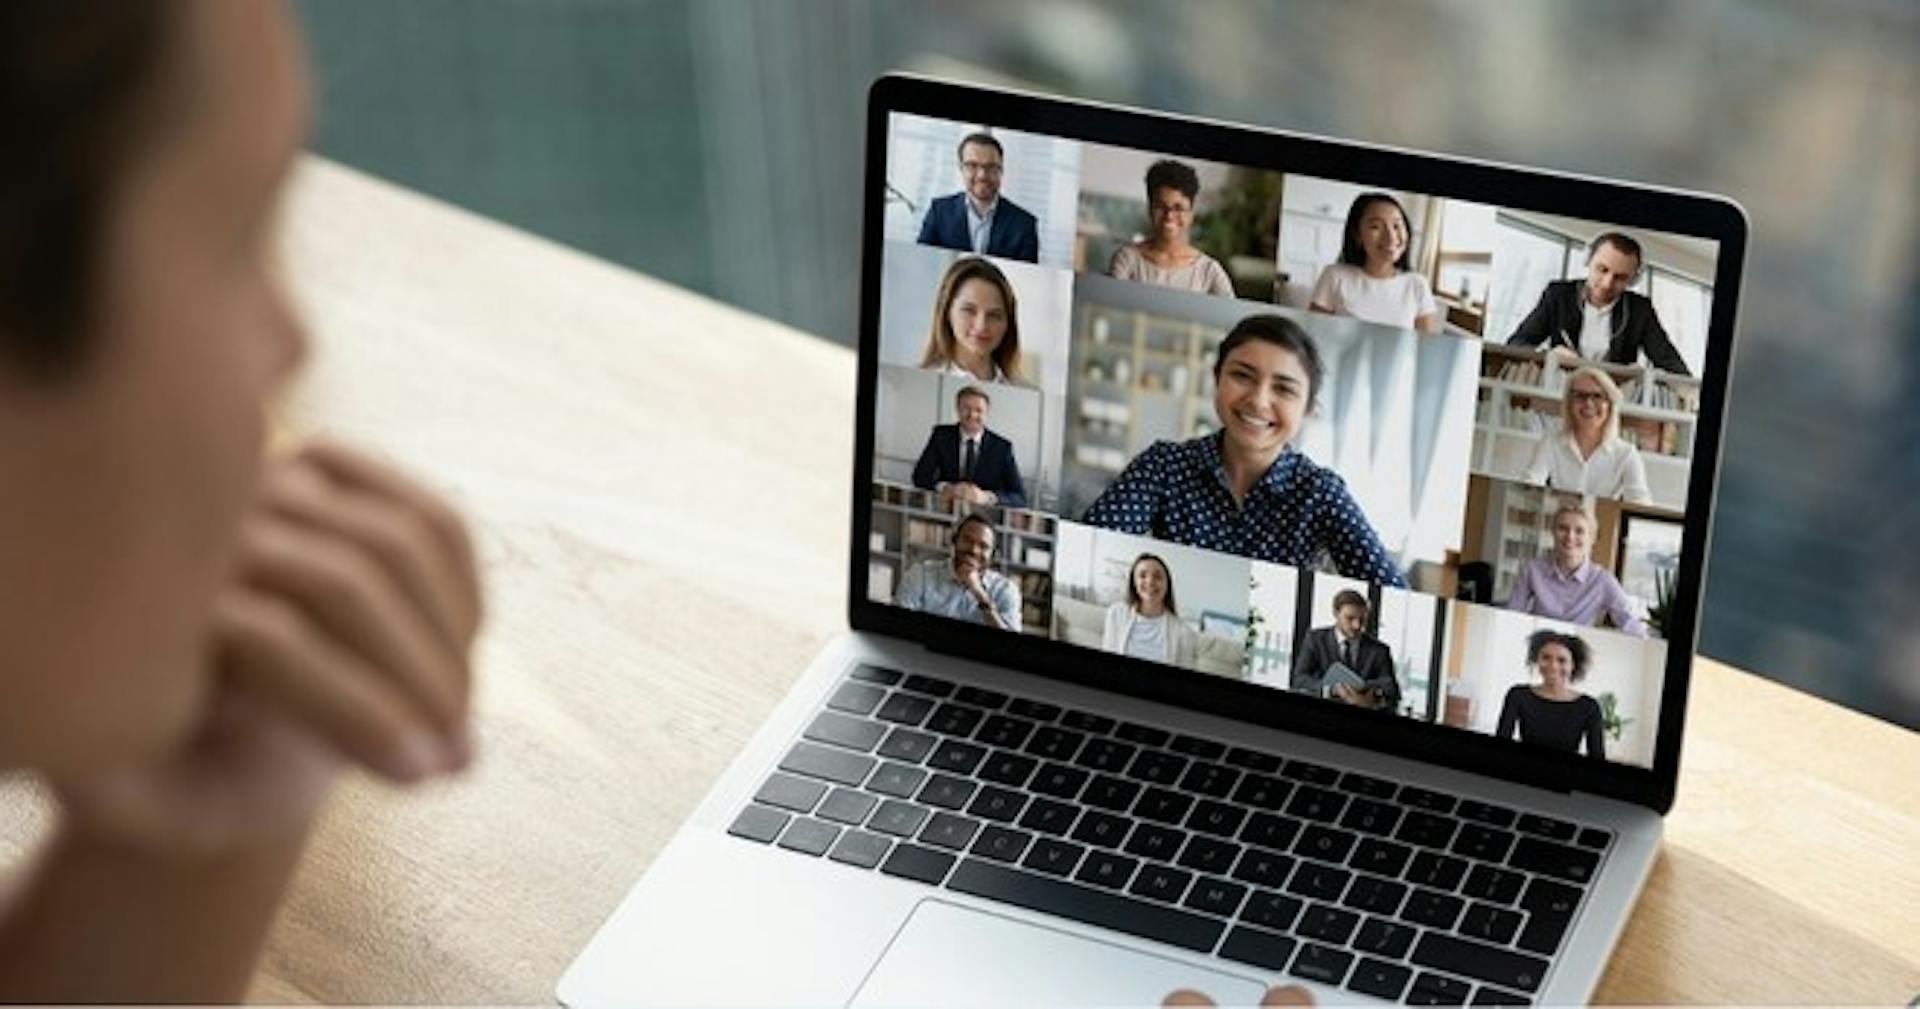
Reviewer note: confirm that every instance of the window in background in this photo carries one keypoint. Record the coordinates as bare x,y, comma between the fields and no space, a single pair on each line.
1529,258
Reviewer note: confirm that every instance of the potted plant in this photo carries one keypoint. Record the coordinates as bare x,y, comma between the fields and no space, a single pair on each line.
1662,607
1610,718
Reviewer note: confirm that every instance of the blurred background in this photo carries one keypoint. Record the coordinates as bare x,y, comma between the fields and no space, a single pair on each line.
716,144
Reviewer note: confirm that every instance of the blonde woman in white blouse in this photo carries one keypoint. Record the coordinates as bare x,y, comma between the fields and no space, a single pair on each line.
1587,455
1146,624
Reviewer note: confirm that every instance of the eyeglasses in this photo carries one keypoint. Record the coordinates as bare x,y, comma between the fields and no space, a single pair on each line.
1583,396
988,169
1169,210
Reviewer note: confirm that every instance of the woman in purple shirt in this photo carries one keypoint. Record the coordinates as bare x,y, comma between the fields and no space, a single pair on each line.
1566,585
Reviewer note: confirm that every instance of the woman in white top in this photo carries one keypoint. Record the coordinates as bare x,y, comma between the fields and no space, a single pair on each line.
1587,455
1374,280
976,324
1166,257
1146,625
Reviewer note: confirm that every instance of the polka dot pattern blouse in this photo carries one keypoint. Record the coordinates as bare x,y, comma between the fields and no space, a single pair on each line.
1178,491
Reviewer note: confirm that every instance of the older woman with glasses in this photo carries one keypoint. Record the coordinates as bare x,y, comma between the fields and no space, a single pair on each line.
1167,257
1587,455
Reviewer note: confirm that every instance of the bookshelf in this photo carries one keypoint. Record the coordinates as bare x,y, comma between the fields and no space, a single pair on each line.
1138,377
1519,401
910,525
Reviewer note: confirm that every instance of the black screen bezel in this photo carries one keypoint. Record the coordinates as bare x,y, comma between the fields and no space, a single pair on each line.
1628,205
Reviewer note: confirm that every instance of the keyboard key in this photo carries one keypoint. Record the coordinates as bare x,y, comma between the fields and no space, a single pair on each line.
1161,882
1389,939
1058,780
1002,844
1271,910
1163,806
1500,886
1254,760
1321,882
1383,857
1003,767
1375,895
1003,731
1320,963
1428,829
955,719
906,709
1205,778
1487,813
1193,746
789,792
1481,962
759,823
1088,905
1157,767
1436,989
897,780
1316,804
809,836
907,745
1494,924
1550,859
857,847
1208,854
901,819
1545,826
1263,868
960,758
945,791
875,674
1262,791
1108,792
856,698
1039,711
845,805
1213,895
998,804
980,698
1270,831
1312,774
1105,868
950,830
831,763
1432,802
1591,837
1361,784
1053,856
932,686
1328,924
1054,743
1441,872
1495,997
1216,818
1549,908
1105,755
1145,735
1155,842
1379,979
914,862
1103,829
1370,817
1327,844
1484,844
1258,947
1430,907
1087,721
1048,816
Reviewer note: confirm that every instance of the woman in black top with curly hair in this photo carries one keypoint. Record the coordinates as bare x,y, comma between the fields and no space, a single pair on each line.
1552,713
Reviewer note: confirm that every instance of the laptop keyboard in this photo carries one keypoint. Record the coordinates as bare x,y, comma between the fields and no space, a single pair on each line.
1344,879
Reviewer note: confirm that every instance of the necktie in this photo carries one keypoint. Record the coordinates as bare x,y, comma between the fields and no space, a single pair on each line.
966,464
1349,649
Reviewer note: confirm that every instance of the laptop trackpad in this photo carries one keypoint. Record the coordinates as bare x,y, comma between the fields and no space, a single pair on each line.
947,955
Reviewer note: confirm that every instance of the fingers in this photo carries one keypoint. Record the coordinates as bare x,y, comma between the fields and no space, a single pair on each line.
1186,997
1289,994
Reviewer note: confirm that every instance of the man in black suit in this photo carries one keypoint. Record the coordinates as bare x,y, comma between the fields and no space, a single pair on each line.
978,219
1598,319
969,462
1348,643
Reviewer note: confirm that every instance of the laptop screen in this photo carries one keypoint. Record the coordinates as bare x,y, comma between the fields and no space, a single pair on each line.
1373,446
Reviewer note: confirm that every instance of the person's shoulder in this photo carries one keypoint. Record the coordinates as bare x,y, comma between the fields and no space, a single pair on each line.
945,204
1519,692
1015,210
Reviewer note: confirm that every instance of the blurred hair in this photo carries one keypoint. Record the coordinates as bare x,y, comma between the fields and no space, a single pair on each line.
972,390
960,152
1348,597
1284,333
1174,175
970,517
78,103
940,339
1618,240
1351,252
1575,647
1133,594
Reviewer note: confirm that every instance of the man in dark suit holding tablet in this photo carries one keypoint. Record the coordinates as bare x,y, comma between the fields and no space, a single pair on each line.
964,460
1345,663
978,219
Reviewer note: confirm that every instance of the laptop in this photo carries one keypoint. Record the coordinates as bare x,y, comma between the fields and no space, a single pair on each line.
1183,448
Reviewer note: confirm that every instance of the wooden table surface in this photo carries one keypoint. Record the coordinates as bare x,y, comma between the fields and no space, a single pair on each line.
659,488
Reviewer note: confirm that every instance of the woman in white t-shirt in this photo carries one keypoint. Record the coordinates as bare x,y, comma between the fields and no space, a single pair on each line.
1374,280
1146,625
1587,455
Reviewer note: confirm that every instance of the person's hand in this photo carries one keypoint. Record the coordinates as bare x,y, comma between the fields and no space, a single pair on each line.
1564,354
1281,995
1343,692
343,635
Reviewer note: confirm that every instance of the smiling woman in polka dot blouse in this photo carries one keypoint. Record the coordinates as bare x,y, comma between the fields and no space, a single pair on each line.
1243,490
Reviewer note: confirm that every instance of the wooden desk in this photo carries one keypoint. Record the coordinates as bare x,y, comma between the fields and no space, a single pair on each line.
660,488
